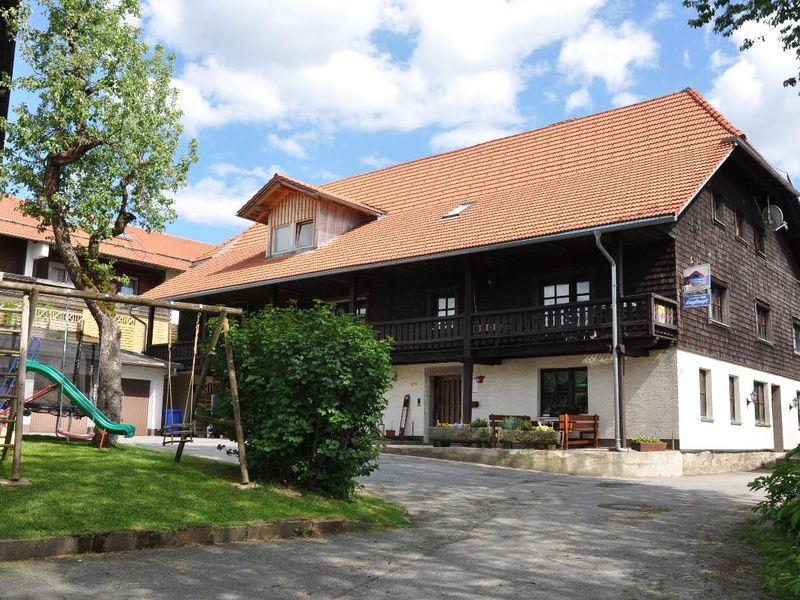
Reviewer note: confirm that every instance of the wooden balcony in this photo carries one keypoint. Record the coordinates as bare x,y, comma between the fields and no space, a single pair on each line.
181,353
647,321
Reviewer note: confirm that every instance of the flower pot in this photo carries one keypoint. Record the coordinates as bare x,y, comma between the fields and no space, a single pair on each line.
459,435
528,439
389,433
649,446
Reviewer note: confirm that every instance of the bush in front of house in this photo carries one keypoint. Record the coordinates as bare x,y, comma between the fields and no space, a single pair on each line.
781,510
311,387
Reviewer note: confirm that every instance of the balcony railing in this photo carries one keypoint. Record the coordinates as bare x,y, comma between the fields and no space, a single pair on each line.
647,316
181,353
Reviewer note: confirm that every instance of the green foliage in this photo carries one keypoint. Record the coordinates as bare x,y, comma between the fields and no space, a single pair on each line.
97,149
511,423
729,16
646,440
779,571
479,423
781,509
312,388
527,426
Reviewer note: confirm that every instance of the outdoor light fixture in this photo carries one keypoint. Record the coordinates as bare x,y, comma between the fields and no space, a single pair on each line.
751,399
479,379
795,402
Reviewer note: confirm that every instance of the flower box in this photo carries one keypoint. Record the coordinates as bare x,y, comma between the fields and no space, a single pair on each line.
459,435
649,446
528,439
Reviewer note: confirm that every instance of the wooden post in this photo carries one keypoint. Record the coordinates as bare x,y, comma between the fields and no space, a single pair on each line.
466,332
198,390
620,336
237,414
353,300
25,322
151,320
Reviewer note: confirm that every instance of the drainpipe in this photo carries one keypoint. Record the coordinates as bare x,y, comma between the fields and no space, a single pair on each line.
614,341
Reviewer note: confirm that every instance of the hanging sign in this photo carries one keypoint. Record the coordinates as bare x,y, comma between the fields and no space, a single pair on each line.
697,286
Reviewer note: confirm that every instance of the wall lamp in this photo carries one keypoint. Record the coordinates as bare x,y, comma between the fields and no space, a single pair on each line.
751,399
795,402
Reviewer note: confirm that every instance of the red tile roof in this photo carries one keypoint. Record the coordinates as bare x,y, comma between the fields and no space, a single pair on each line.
155,249
638,162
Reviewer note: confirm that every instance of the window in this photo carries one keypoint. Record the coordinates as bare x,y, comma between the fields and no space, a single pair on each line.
718,206
564,391
760,402
281,239
733,398
740,224
58,272
556,293
445,305
760,239
582,291
131,289
342,307
305,234
458,210
762,322
719,303
796,337
705,394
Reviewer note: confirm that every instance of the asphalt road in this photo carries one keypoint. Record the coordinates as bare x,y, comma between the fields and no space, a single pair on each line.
482,533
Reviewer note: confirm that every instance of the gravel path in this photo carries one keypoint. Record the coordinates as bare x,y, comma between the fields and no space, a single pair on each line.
482,532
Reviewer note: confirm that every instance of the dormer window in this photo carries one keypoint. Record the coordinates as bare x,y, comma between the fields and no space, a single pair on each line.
458,210
281,239
304,237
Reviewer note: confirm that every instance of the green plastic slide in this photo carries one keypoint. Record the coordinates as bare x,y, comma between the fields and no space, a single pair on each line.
78,399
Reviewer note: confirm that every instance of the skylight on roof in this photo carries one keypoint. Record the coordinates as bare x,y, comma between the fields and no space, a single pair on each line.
458,210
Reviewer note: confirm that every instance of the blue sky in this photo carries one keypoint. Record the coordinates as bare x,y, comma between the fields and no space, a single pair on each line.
320,90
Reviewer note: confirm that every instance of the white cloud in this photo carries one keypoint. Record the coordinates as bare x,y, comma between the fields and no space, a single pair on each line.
466,136
295,145
662,11
376,162
214,199
624,98
750,93
578,99
687,59
608,53
719,60
317,64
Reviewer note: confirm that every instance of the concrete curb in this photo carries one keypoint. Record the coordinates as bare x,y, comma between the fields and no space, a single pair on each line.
24,549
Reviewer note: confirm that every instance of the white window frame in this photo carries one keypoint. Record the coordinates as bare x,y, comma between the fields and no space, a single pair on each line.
704,395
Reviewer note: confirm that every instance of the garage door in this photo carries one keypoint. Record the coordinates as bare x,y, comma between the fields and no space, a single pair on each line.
135,401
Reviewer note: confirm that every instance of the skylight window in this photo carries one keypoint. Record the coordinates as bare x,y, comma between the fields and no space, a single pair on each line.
458,210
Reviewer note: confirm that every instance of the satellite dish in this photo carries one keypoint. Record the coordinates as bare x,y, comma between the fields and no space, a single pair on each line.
773,216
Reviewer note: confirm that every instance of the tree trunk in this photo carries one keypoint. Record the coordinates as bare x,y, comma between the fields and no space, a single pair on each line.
109,391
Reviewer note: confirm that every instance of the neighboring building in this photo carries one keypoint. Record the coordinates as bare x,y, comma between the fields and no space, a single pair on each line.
483,267
148,259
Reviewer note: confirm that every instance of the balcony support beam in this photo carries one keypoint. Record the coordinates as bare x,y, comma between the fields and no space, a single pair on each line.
466,332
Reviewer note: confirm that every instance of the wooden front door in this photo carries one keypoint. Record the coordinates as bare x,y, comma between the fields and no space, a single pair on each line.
777,418
135,402
446,399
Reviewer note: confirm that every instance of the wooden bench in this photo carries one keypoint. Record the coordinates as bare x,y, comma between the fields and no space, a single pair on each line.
586,426
494,423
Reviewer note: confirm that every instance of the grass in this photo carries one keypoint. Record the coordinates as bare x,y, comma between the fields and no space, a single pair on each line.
77,489
779,571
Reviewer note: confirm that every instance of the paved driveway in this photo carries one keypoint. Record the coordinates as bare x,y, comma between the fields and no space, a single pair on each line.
483,533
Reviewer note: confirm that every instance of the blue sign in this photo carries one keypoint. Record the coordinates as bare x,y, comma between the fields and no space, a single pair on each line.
697,300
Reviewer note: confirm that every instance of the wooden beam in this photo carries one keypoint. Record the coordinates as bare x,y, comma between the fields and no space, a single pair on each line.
237,414
466,391
353,300
466,332
116,298
151,320
16,467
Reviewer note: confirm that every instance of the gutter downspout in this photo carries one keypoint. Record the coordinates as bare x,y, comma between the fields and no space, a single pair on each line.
614,341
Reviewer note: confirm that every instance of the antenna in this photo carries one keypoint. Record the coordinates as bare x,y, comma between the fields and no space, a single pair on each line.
773,216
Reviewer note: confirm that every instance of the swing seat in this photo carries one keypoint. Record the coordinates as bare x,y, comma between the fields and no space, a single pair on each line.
74,436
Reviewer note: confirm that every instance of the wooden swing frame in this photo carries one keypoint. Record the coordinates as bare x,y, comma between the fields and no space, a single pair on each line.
30,294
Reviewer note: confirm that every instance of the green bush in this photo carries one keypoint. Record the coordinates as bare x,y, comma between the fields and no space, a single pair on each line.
646,440
311,387
511,423
479,423
781,509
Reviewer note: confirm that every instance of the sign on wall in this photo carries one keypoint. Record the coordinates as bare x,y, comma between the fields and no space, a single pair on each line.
697,286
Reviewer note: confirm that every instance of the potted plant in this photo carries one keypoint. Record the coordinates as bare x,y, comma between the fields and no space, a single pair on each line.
444,434
389,434
648,444
526,434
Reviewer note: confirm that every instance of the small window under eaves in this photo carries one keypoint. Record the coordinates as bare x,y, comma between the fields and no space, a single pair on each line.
458,210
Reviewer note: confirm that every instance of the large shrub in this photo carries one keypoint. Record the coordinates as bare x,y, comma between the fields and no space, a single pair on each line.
781,509
311,387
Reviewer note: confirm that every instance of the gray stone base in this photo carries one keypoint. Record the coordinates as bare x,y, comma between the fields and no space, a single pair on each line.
599,463
14,549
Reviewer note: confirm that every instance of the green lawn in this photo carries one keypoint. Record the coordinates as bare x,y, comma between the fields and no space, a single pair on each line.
77,489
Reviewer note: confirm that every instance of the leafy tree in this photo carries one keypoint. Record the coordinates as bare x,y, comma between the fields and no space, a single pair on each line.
312,387
98,149
729,16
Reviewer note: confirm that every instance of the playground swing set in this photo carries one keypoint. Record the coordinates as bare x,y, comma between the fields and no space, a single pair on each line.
14,403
